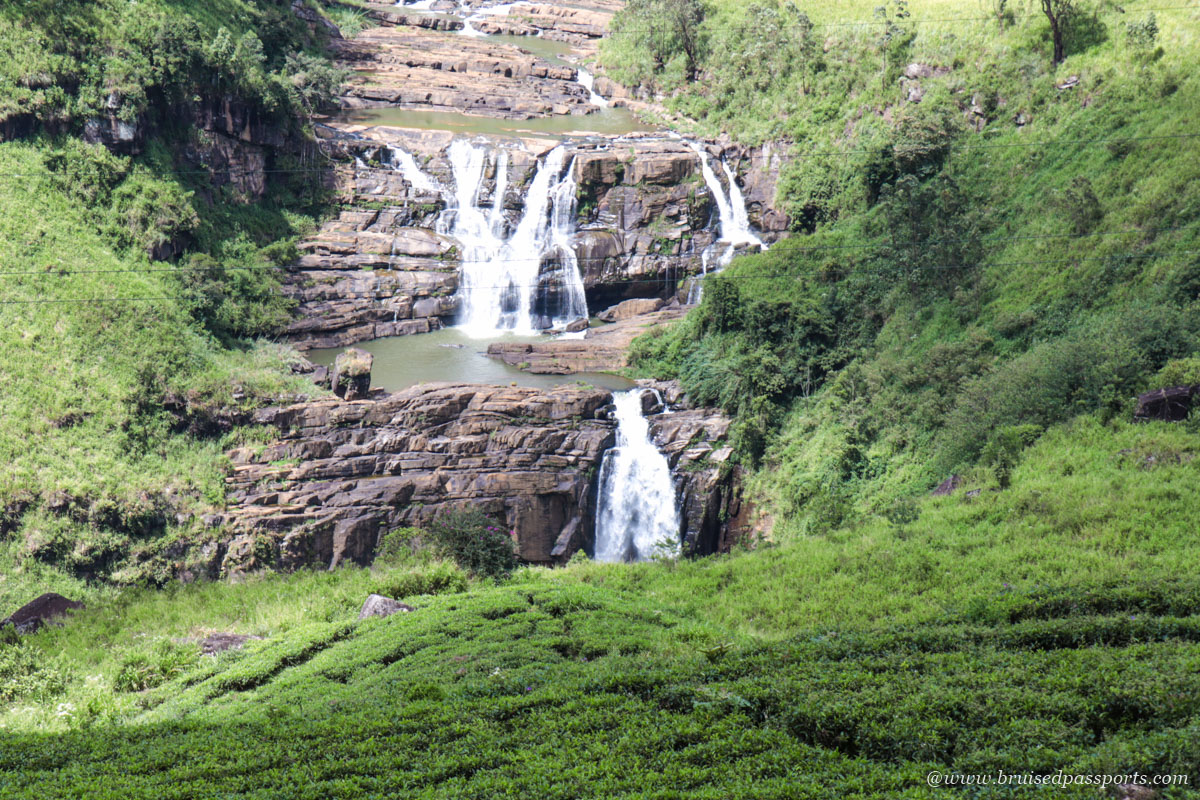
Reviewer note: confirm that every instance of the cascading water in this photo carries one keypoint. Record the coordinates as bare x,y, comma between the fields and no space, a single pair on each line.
588,81
403,162
530,280
734,222
571,304
637,514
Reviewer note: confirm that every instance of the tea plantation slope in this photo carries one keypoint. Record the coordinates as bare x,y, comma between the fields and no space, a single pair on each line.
564,690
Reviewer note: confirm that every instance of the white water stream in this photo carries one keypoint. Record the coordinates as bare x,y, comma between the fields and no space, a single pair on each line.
636,516
734,222
524,282
588,81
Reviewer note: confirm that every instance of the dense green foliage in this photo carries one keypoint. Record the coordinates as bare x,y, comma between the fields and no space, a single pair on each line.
133,285
963,293
64,62
979,261
474,541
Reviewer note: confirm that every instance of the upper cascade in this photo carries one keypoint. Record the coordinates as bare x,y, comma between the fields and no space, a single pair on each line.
734,221
524,281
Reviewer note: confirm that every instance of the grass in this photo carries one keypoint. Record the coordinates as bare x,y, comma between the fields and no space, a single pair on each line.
1052,625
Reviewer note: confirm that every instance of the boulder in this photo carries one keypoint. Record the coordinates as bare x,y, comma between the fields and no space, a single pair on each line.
947,486
30,617
631,308
377,605
1166,405
352,374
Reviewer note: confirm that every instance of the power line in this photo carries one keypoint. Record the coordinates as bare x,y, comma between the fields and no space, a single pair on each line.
772,158
982,240
667,279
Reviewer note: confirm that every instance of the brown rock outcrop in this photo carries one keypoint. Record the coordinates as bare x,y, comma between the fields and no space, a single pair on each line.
356,469
342,473
417,67
43,610
603,349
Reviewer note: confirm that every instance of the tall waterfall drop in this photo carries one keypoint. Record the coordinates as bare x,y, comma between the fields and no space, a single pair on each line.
734,221
529,280
637,510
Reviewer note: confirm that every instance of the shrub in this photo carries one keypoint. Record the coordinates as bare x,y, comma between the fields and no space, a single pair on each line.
475,542
437,578
1178,372
401,546
145,669
25,673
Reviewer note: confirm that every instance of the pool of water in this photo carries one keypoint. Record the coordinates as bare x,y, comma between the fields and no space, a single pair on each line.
451,355
608,121
546,49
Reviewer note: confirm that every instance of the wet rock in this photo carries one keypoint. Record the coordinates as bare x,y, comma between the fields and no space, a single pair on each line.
576,326
1166,405
377,605
352,374
41,611
527,457
603,349
652,403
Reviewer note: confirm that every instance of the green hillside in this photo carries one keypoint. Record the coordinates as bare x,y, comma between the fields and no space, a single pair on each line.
978,283
99,335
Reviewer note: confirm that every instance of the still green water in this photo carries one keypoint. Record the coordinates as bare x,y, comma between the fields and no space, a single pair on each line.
608,121
451,355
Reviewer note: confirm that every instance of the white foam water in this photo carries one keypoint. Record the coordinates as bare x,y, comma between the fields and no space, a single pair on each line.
637,516
588,81
403,162
734,227
527,281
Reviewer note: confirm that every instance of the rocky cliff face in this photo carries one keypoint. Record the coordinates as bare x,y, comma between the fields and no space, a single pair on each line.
644,217
341,473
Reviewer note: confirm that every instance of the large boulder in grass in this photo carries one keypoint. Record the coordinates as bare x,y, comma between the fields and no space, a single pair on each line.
352,374
1166,405
36,613
377,605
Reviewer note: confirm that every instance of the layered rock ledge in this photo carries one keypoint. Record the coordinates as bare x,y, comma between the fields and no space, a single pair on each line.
342,473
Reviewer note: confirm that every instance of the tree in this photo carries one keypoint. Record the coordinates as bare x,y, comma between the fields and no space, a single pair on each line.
1059,13
664,29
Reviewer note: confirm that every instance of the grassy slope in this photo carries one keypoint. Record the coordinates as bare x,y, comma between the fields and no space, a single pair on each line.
996,632
96,480
1049,625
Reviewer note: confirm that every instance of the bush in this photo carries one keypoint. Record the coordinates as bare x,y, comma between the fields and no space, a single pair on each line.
437,578
24,673
1179,372
145,669
475,542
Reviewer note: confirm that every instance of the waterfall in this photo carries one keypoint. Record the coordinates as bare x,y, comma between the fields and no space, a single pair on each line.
403,162
637,508
588,82
737,207
529,281
734,222
496,218
573,304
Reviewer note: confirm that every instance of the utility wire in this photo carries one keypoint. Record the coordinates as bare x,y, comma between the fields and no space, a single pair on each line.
771,158
666,279
62,273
